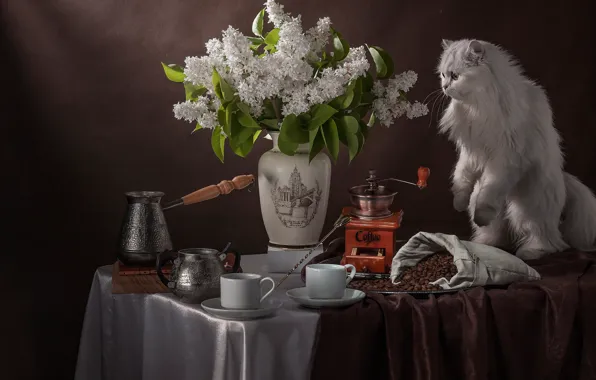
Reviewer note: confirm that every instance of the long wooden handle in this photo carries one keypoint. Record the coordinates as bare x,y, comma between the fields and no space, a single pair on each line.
222,188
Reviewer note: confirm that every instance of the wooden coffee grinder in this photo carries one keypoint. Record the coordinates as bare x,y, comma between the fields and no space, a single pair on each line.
371,233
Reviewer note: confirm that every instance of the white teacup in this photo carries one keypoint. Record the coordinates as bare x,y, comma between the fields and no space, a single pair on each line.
243,290
328,281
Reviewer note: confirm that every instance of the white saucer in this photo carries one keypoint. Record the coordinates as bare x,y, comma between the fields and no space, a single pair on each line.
300,295
213,307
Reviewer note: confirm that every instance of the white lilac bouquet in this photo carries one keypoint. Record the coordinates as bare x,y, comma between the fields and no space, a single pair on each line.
290,81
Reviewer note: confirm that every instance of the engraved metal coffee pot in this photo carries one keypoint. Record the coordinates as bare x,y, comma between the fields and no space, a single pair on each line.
144,233
195,272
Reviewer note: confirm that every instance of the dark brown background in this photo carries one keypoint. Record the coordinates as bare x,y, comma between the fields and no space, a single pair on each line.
87,115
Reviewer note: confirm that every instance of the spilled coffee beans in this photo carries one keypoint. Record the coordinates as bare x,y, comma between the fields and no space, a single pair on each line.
415,279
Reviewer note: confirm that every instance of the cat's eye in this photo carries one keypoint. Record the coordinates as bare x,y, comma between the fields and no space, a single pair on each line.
454,76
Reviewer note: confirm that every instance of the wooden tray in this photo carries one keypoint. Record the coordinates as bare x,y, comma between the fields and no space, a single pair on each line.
147,283
124,270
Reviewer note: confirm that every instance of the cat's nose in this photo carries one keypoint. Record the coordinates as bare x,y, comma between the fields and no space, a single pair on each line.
445,86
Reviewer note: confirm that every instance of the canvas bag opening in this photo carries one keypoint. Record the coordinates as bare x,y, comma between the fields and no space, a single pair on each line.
477,264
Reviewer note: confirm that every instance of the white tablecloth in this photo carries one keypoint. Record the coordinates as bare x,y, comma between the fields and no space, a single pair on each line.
154,336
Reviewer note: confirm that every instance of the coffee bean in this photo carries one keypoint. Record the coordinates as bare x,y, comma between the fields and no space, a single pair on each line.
417,278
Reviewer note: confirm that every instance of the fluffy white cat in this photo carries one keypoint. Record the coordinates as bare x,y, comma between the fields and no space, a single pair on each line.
509,175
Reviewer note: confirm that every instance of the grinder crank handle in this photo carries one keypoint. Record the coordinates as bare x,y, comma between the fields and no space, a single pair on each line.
213,191
423,174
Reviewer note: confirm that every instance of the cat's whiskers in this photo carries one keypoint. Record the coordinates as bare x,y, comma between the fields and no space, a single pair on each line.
432,110
431,94
440,97
441,107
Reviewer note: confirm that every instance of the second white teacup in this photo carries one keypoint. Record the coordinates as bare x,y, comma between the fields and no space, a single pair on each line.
243,290
328,281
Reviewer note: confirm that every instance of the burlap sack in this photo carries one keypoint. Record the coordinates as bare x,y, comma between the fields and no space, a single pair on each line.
477,264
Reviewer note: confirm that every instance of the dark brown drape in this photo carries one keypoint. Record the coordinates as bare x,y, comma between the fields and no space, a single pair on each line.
532,330
87,115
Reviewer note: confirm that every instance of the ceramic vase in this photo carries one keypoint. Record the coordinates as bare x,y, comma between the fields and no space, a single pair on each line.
294,195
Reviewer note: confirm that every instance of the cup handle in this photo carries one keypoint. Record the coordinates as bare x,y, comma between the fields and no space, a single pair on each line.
352,273
272,287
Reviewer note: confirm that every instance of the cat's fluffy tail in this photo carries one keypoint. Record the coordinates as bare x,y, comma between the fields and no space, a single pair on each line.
579,222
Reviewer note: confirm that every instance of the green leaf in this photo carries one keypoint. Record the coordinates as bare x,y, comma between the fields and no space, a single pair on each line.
271,123
304,119
175,73
352,146
367,98
348,98
383,62
197,127
243,107
291,130
247,121
316,143
221,116
227,91
372,120
272,37
357,94
340,47
320,114
216,79
360,141
245,118
217,143
346,126
337,102
331,138
342,132
271,48
363,129
193,92
239,134
269,111
227,125
256,40
242,149
287,147
257,24
256,135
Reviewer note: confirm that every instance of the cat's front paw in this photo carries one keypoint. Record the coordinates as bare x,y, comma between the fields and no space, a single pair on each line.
461,201
484,214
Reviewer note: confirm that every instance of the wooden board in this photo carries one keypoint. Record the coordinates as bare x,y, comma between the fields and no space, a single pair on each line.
124,270
136,284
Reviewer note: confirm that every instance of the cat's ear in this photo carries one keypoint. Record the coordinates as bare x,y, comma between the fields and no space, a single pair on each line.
476,48
445,43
